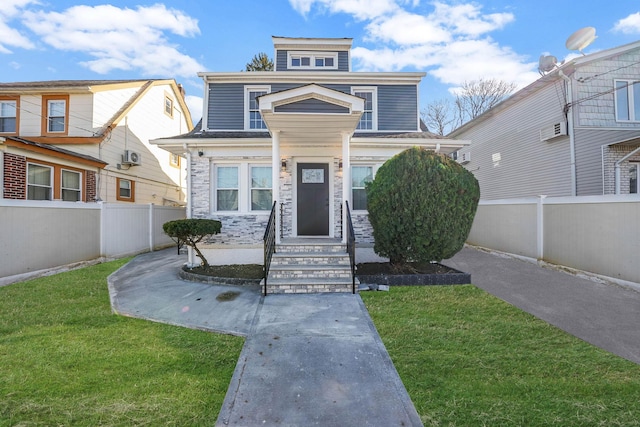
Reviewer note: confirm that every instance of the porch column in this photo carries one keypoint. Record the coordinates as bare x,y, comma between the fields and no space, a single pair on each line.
275,177
346,180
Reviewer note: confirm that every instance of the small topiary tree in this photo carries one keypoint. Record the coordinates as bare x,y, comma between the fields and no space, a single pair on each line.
421,206
191,232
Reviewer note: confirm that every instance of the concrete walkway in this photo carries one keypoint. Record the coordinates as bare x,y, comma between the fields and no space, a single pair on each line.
307,360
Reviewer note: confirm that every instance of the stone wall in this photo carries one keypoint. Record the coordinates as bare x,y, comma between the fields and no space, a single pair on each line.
611,155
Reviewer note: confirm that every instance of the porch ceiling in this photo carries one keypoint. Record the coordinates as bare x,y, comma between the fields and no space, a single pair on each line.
311,128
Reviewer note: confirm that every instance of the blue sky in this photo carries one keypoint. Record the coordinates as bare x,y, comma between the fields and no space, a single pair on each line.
452,41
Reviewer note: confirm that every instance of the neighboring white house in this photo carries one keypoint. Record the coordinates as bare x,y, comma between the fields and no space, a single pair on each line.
302,139
574,131
81,140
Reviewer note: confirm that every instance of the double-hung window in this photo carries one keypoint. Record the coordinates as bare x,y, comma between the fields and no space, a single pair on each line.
39,182
253,117
8,116
261,185
634,174
360,176
71,186
627,100
126,190
369,119
55,114
313,60
227,188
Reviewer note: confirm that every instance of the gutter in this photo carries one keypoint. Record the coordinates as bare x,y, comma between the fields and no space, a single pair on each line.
617,167
572,140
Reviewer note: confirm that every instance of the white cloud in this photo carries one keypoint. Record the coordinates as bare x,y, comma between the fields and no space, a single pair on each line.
450,41
10,10
628,25
120,38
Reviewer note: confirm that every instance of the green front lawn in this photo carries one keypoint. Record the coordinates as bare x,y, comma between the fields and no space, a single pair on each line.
470,359
66,360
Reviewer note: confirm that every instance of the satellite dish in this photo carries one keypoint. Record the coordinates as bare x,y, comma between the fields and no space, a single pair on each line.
547,63
581,39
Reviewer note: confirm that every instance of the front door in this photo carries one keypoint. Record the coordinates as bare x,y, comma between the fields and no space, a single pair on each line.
313,199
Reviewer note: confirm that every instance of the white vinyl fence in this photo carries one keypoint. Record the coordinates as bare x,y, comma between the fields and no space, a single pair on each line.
43,235
596,234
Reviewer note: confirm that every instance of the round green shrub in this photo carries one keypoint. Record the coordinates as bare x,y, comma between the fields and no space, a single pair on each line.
421,206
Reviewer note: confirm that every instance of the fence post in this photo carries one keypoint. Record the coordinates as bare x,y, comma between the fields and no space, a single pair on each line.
103,231
540,228
151,218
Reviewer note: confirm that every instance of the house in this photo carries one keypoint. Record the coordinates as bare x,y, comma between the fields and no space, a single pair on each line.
86,141
573,132
296,144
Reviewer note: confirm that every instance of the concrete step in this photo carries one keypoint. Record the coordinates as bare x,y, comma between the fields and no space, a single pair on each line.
308,286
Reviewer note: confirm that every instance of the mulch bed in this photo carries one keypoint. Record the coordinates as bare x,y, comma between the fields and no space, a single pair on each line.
414,274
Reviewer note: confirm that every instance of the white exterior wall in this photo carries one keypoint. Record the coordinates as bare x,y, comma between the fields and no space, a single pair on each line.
507,156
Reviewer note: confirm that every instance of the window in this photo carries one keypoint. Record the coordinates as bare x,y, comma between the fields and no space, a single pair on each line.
368,120
627,100
126,190
39,180
253,118
54,114
261,183
360,175
168,106
8,116
174,160
325,60
634,173
71,182
227,188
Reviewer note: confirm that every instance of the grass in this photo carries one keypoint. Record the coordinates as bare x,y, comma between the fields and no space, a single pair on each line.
65,359
469,359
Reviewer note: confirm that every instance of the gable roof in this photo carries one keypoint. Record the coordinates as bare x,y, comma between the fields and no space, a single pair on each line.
566,69
53,151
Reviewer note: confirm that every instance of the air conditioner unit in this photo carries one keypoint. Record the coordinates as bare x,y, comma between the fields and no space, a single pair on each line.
553,131
131,158
464,158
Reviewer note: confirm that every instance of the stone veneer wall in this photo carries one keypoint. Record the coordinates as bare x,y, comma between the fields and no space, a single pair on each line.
611,155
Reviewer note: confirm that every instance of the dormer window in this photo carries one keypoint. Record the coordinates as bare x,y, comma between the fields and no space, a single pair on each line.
313,60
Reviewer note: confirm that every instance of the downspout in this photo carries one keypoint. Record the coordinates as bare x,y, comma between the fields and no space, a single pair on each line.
617,167
572,141
190,256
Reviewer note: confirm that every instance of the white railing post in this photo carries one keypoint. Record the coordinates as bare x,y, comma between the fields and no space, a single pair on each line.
151,227
103,231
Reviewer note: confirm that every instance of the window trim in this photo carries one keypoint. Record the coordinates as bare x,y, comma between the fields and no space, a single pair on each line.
247,111
176,157
312,60
15,99
79,190
373,175
374,106
132,197
637,177
169,99
56,182
52,180
45,114
251,188
216,188
631,101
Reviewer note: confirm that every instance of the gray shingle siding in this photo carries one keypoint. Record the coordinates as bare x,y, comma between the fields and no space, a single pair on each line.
311,106
226,106
398,107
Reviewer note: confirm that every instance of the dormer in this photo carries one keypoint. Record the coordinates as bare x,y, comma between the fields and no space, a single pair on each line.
311,54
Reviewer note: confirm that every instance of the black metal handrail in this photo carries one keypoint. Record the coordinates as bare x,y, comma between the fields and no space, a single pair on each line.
269,244
351,246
